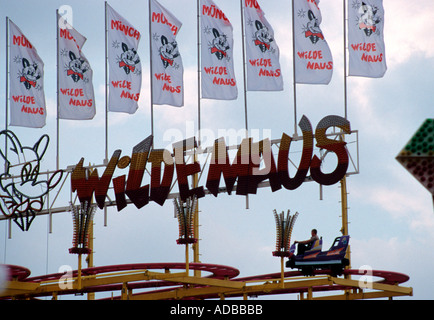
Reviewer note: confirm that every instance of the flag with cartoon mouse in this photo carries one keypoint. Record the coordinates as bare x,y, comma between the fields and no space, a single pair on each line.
76,93
167,67
125,69
217,59
26,81
367,54
313,58
262,53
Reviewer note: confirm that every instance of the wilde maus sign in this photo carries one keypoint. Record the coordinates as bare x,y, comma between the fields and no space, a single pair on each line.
244,170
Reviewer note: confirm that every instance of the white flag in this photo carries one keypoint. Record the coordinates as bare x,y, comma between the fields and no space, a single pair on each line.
125,68
76,94
167,68
26,81
263,66
313,59
218,76
367,56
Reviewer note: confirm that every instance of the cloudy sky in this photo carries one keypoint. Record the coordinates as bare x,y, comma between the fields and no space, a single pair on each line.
391,215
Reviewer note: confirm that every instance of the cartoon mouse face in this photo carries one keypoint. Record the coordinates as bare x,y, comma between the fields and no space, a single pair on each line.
29,74
368,19
76,67
219,44
168,51
129,59
263,38
23,195
313,30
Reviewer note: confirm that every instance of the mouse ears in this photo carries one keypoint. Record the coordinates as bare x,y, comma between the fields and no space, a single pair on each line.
215,32
72,56
14,153
258,25
311,15
164,40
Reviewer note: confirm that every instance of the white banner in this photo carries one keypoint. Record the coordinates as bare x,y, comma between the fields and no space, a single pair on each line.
314,62
167,67
125,79
262,52
367,56
217,63
76,94
26,82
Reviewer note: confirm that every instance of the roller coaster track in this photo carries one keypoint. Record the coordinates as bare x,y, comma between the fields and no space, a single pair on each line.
140,282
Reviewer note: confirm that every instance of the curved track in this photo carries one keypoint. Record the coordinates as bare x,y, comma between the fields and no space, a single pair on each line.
216,272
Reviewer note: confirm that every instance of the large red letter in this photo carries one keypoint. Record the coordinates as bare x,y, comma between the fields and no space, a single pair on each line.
336,146
303,168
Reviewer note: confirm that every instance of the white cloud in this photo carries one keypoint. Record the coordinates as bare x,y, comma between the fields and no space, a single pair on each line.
407,29
378,252
404,200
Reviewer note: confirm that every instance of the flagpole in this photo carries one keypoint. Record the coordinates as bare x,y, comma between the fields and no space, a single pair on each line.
57,86
345,60
244,67
245,81
198,74
7,88
151,73
106,85
7,78
293,70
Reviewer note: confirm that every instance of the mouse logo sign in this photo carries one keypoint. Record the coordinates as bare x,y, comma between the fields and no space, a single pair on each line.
22,187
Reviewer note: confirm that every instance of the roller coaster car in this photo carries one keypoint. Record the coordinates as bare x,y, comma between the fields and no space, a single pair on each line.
313,259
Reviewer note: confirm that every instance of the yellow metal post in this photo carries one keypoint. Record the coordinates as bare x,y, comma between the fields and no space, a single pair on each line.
79,272
89,259
197,273
344,204
187,264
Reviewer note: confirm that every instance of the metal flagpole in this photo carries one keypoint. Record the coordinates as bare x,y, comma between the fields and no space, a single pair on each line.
196,253
7,79
244,67
245,81
7,89
7,117
57,84
106,99
345,60
344,194
198,74
151,73
106,86
293,70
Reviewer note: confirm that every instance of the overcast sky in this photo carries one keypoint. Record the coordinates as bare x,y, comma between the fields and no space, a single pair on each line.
391,214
